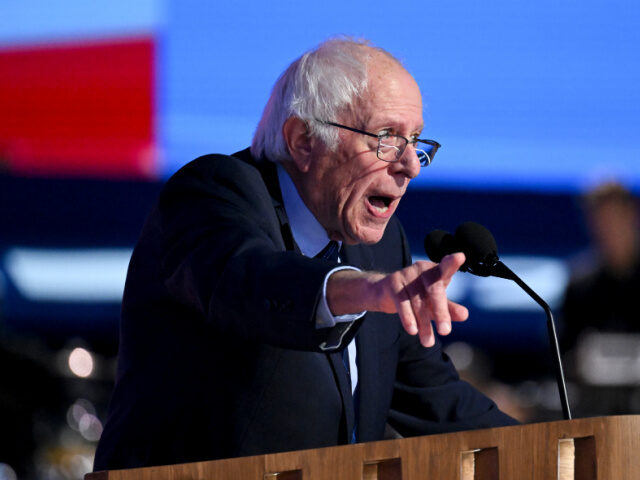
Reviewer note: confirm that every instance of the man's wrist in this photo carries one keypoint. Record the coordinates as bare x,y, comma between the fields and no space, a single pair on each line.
352,291
324,314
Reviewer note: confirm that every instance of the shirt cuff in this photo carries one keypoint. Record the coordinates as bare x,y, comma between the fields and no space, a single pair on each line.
324,317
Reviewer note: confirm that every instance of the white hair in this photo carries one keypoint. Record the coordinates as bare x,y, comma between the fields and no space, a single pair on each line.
316,87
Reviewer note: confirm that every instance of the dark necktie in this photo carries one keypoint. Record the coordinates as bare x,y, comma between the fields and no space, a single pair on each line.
330,252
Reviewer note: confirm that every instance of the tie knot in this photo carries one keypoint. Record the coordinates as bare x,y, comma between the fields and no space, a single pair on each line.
330,251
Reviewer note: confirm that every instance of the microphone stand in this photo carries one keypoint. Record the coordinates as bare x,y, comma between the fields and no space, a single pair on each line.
480,248
499,269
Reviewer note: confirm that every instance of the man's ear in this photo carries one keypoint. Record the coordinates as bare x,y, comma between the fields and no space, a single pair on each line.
296,135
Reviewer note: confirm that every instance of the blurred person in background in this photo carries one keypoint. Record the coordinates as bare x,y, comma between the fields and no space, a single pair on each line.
600,311
603,292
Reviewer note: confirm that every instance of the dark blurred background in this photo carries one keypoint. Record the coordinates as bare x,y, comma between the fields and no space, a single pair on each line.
534,104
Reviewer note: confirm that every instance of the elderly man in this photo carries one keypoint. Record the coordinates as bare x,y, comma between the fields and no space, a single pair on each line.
242,334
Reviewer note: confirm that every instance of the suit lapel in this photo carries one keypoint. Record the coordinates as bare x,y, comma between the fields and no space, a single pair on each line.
368,379
344,385
366,343
358,256
361,258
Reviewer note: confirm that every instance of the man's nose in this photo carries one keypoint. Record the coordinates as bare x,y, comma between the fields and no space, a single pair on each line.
408,164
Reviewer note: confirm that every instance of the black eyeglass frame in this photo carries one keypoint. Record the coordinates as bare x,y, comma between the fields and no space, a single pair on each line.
423,163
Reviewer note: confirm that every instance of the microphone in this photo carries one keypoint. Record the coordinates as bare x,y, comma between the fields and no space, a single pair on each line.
481,250
473,239
439,243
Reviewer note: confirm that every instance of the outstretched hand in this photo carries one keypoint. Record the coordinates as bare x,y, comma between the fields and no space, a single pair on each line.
417,293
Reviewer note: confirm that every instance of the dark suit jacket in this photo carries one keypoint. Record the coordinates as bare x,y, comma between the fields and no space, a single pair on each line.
219,354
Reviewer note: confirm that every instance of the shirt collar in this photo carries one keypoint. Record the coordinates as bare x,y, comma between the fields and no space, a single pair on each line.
310,236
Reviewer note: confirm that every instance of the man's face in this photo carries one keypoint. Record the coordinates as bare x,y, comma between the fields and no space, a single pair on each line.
614,226
350,191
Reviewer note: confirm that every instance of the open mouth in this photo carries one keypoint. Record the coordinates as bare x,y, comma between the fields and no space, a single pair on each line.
380,203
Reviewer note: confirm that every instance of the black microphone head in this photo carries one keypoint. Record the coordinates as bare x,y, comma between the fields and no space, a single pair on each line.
439,243
478,244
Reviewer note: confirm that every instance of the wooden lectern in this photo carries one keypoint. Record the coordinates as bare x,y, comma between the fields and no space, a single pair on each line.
603,448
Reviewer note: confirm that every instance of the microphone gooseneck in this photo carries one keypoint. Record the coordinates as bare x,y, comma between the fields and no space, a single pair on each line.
480,248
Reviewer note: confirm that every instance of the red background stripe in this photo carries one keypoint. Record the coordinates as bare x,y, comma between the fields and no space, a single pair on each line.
83,110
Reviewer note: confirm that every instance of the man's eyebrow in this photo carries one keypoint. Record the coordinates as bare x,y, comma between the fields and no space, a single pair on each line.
397,124
417,132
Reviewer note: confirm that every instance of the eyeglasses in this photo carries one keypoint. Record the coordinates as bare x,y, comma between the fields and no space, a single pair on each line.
391,147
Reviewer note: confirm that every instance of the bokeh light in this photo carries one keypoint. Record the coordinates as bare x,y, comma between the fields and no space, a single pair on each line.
81,362
7,473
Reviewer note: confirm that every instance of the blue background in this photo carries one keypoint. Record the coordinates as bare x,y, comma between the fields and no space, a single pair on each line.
535,95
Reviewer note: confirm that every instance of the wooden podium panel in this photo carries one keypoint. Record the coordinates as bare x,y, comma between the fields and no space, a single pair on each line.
603,448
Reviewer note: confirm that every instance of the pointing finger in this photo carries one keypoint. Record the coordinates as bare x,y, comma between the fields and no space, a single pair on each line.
450,264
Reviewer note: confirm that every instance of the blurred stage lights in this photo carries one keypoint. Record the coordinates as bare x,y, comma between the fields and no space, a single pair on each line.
81,417
82,275
7,473
81,362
